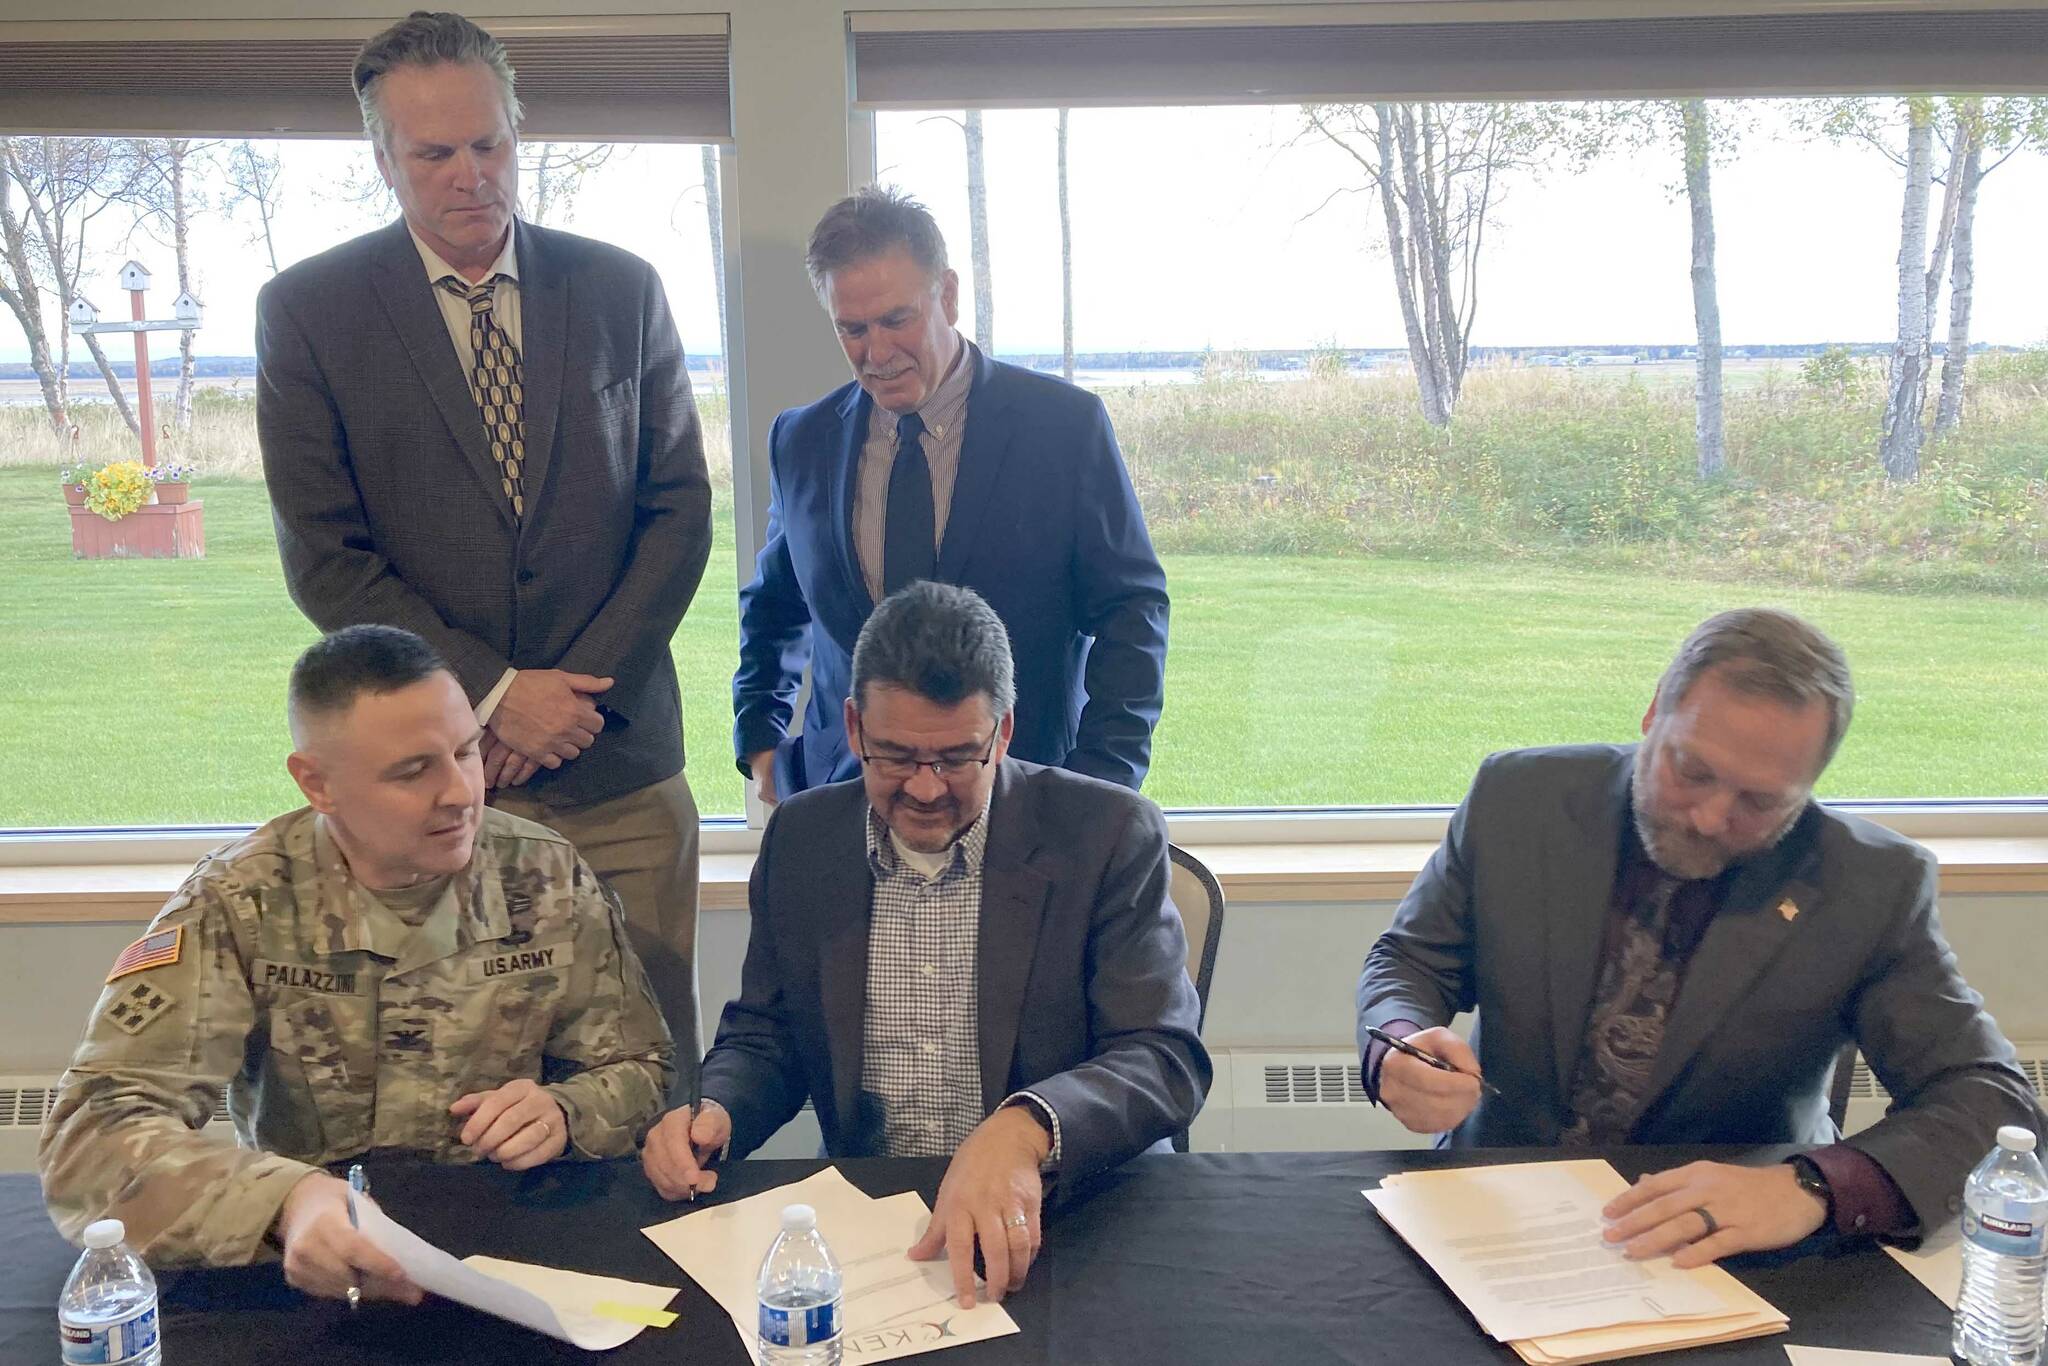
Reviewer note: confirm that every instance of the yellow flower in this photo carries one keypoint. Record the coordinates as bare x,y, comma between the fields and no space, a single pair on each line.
118,489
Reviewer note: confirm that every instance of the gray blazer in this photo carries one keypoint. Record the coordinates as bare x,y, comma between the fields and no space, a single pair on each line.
1084,992
389,507
1509,919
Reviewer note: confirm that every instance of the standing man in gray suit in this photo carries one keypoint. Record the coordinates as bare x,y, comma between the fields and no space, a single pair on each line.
482,431
1670,943
957,953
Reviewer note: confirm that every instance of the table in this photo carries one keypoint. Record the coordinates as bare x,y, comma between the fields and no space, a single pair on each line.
1227,1258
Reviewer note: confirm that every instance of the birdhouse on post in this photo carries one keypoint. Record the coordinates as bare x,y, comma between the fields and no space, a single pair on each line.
186,310
83,314
134,277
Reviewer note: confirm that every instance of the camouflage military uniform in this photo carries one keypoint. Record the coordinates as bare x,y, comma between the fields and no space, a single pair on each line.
335,1027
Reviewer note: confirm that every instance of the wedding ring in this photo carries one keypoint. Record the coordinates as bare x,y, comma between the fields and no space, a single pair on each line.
1713,1224
1017,1221
355,1297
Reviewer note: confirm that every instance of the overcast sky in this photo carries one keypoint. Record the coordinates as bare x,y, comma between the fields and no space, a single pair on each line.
1200,227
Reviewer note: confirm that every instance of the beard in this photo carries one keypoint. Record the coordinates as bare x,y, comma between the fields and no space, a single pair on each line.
1686,854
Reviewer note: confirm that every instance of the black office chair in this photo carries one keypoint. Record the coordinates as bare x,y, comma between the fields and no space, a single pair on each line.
1198,898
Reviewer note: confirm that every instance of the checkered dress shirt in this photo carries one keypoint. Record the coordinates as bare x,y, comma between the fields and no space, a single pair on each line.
921,1055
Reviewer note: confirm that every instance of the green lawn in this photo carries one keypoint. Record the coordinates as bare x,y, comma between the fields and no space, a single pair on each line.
138,692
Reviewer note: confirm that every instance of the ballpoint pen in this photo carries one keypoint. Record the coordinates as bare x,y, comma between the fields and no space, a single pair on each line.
1403,1046
358,1184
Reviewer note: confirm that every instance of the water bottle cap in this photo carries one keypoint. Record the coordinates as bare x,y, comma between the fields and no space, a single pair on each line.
105,1233
802,1218
2011,1137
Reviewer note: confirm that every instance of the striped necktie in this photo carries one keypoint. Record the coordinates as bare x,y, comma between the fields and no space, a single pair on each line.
498,385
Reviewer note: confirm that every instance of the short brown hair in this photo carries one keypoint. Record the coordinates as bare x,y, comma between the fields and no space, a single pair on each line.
428,38
869,222
1765,652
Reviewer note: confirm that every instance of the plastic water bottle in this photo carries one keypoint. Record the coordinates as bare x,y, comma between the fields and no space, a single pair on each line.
799,1293
2005,1213
107,1313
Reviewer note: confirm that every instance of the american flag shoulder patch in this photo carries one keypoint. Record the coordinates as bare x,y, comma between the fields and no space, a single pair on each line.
151,951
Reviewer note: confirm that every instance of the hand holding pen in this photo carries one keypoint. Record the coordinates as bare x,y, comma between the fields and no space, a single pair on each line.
1436,1096
326,1252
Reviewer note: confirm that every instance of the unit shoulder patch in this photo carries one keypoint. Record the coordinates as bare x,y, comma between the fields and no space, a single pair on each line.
138,1007
158,950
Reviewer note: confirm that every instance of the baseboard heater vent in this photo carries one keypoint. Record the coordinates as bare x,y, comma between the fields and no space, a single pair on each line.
25,1102
1321,1079
1323,1083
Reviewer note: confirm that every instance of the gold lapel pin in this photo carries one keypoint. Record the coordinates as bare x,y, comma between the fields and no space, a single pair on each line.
1789,909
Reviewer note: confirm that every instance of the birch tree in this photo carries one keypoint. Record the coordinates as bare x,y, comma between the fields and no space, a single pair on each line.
167,199
61,189
714,221
255,178
1906,389
1698,133
977,232
1066,260
1438,171
551,174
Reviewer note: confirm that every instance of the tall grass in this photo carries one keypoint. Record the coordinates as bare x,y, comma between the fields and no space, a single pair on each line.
1548,464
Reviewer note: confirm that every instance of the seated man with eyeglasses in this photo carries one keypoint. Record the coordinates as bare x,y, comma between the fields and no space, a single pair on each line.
1671,942
959,953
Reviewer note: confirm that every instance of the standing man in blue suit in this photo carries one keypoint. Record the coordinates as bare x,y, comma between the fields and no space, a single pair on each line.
939,462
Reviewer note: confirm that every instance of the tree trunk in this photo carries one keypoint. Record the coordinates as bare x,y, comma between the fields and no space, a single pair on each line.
121,403
977,232
1066,263
1708,433
1948,413
714,220
177,152
1899,443
24,299
1435,410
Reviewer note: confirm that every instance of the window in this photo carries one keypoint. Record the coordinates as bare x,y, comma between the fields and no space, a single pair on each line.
143,692
1390,557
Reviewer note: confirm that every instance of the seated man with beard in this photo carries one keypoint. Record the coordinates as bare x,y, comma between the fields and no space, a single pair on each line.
1670,942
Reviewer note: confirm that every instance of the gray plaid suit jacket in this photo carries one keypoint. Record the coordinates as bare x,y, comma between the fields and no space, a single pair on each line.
389,507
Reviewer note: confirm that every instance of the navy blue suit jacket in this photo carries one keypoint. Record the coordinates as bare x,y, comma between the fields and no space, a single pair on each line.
1044,525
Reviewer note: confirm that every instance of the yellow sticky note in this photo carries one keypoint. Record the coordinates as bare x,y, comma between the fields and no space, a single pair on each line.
633,1313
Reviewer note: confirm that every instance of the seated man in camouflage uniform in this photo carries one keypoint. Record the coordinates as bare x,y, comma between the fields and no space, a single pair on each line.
393,966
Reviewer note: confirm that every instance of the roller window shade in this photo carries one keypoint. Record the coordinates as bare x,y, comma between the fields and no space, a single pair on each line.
900,64
665,79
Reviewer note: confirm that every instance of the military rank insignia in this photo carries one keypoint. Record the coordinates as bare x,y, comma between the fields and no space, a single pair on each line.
157,950
139,1007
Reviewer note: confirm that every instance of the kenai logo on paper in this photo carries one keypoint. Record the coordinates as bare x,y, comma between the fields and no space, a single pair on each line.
899,1336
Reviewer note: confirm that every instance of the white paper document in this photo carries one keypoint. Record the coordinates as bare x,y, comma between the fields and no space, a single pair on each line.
893,1307
561,1304
1937,1263
1521,1247
1837,1356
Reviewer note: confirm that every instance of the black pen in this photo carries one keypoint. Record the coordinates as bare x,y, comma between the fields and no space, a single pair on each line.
1403,1046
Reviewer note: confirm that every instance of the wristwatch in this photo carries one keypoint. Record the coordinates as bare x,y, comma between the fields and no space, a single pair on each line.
1814,1182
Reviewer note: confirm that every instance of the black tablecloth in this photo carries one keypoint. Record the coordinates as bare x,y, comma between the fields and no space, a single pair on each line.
1200,1258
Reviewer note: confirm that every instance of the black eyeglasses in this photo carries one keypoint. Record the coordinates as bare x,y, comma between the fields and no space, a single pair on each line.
903,768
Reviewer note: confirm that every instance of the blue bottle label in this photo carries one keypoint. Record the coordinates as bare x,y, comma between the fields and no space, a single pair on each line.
108,1344
799,1327
2012,1227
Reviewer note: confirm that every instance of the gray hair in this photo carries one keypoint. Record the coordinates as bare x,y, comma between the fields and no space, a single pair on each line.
428,38
868,223
940,641
1764,652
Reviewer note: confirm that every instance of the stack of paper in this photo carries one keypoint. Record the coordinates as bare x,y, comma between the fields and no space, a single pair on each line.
596,1313
1521,1247
892,1307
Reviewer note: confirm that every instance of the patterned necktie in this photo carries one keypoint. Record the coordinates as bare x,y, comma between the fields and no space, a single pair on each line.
1638,983
908,531
498,384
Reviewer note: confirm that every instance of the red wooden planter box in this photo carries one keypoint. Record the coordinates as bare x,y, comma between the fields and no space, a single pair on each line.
154,531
